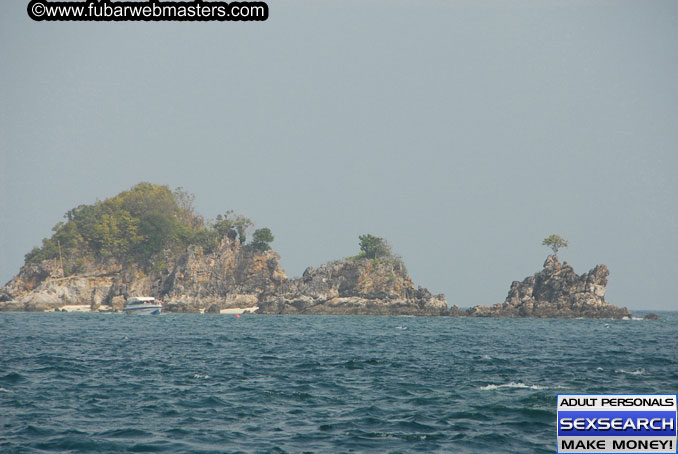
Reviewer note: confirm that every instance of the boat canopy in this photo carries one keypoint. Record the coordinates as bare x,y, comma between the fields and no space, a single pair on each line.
140,299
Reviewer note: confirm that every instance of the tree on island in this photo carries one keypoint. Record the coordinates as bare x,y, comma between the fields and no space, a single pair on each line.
373,247
555,242
233,226
261,238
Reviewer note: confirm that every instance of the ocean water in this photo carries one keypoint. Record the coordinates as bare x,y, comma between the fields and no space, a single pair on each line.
100,383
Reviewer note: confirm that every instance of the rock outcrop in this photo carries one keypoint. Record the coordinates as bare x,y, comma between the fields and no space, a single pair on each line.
355,287
556,292
232,276
41,287
237,276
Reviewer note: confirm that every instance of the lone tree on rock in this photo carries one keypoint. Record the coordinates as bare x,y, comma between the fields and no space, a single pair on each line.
555,242
374,247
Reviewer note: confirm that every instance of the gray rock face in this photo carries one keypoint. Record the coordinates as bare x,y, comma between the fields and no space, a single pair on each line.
234,276
556,292
41,287
354,287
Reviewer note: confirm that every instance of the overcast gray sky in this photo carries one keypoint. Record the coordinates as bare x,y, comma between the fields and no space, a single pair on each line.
463,132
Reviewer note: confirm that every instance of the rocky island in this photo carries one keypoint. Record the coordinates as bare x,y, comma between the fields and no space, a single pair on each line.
149,241
358,286
556,292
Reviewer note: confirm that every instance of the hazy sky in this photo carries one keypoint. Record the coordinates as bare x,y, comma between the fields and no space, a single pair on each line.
463,132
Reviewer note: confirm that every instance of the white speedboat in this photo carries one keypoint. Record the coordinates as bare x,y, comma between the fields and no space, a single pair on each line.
142,305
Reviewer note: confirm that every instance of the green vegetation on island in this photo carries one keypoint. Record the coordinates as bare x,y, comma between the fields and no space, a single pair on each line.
142,226
261,239
378,251
374,247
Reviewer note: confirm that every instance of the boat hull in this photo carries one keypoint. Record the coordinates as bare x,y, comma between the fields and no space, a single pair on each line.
146,310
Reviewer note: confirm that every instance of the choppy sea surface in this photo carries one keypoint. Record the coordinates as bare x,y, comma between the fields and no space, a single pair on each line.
99,383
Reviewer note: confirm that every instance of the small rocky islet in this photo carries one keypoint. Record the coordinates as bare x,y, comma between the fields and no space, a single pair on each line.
212,269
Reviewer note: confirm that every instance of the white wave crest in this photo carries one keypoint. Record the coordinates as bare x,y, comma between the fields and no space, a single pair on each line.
632,372
512,385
